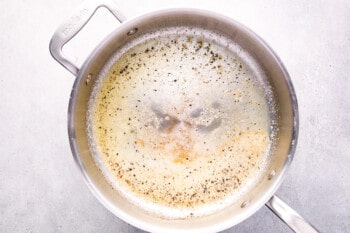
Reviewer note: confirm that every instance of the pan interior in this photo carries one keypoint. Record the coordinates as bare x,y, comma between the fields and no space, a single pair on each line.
181,122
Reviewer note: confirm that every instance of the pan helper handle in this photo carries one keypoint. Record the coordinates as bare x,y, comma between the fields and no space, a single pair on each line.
297,223
74,24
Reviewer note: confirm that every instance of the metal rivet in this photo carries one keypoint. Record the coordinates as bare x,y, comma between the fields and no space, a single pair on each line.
244,204
88,79
132,31
271,175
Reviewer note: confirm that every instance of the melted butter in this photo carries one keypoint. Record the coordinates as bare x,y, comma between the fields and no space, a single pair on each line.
180,121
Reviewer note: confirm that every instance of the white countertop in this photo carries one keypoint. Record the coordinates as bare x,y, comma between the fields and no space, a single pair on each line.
41,188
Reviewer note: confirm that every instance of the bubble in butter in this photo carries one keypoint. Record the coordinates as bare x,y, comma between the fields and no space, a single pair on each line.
179,124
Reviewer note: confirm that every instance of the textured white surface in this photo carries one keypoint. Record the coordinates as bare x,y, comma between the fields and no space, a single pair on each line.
41,189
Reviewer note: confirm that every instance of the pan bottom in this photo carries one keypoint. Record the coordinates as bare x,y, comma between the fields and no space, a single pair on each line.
180,122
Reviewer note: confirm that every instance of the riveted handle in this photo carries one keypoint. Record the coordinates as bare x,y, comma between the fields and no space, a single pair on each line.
297,223
67,30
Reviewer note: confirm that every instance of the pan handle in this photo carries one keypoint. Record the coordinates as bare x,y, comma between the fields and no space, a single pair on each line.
67,30
297,223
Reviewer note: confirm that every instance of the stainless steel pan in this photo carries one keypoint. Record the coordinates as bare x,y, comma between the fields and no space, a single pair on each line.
260,53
